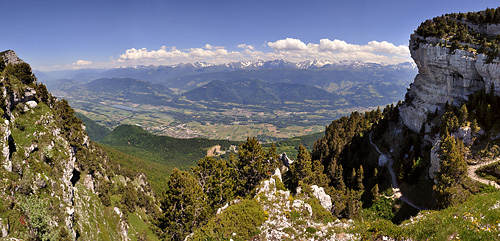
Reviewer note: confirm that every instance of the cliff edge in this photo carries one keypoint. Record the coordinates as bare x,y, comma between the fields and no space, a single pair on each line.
446,74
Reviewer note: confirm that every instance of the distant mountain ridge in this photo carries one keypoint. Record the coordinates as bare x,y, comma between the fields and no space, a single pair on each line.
163,72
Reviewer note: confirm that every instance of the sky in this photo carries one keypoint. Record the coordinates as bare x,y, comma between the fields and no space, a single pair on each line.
71,34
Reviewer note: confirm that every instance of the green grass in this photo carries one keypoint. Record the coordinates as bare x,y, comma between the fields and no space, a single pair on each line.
139,228
476,219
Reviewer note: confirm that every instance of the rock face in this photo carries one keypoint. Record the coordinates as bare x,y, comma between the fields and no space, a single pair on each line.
444,76
10,57
324,199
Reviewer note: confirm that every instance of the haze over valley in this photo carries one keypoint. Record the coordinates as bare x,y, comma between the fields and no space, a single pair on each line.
272,100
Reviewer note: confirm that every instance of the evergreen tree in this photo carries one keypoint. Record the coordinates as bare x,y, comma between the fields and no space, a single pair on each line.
452,173
184,206
474,126
375,192
252,165
463,115
338,180
301,168
217,179
360,177
318,176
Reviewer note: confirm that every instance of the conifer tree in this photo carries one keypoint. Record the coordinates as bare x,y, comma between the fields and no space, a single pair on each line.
451,174
217,179
375,192
252,165
463,115
360,177
301,168
184,206
474,126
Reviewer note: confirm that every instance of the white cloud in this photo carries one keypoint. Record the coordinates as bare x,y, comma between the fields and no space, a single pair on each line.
289,49
287,44
82,63
246,46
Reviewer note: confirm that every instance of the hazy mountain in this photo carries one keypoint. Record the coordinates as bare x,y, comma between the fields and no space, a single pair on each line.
169,73
258,92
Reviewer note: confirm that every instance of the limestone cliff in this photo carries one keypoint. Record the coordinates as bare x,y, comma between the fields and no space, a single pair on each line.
56,184
444,76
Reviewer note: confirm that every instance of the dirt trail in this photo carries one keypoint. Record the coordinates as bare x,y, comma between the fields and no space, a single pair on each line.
471,172
389,162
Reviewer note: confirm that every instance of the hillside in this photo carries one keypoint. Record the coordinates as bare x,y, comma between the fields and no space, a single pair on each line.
168,151
94,130
57,184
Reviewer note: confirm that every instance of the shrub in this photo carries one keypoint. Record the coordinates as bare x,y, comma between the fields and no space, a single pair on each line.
243,219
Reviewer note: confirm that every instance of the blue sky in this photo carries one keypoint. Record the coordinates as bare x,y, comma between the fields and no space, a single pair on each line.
110,33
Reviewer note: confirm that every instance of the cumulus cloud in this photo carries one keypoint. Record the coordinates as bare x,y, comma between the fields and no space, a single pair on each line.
287,45
289,49
246,46
82,63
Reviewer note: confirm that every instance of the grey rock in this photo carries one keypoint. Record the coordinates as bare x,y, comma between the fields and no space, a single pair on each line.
444,76
10,57
324,199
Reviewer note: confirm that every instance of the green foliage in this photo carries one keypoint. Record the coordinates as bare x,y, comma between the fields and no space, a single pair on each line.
37,218
217,178
452,174
252,165
128,166
307,171
382,208
476,219
184,206
21,72
319,213
243,219
129,198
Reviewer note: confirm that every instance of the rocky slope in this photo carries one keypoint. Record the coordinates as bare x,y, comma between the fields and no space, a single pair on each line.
55,183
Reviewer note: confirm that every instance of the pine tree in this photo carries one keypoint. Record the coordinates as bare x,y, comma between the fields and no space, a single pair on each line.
375,192
217,179
463,115
451,174
474,126
251,165
301,168
183,207
360,178
338,180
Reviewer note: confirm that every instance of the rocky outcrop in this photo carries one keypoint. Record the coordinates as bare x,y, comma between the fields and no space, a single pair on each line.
444,76
324,199
10,57
290,217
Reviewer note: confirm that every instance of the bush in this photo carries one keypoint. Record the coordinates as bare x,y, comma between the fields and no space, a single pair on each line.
243,219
